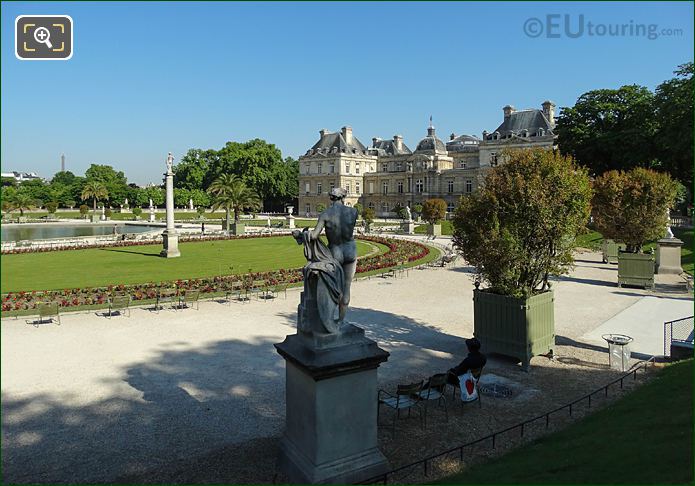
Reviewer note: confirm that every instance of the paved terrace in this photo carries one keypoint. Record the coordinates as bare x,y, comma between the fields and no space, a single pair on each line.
199,395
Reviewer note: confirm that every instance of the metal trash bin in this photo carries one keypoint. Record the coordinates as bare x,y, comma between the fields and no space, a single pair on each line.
618,351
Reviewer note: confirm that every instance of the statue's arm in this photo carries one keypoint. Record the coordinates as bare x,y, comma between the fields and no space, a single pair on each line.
316,232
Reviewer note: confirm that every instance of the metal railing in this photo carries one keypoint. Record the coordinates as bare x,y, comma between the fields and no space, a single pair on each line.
678,331
492,438
681,221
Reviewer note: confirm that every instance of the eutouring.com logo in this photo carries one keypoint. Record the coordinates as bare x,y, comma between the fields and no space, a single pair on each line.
557,26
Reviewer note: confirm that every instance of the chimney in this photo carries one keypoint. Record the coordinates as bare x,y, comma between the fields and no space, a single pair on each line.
62,163
323,132
508,110
398,142
549,112
452,136
484,134
347,134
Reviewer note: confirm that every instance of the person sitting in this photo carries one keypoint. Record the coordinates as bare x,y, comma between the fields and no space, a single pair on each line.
475,360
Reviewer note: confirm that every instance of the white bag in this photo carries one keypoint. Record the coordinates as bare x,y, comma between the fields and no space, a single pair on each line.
469,391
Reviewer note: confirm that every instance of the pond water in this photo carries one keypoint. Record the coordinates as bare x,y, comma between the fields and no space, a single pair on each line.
44,231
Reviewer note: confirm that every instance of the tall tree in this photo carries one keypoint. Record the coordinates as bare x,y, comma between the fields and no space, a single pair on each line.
674,114
114,181
94,190
610,129
230,193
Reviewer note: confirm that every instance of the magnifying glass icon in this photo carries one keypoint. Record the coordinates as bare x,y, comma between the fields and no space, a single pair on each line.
43,36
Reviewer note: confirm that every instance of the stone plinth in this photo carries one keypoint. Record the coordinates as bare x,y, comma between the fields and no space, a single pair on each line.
152,217
170,239
331,400
290,222
408,227
668,256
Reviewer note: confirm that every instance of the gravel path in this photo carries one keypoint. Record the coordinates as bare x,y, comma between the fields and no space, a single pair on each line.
198,396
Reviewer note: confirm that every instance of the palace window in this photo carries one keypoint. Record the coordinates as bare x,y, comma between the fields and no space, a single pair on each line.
331,168
450,186
347,188
462,165
357,187
384,167
331,185
357,167
307,209
418,186
493,159
385,207
307,188
370,205
306,168
469,186
347,167
400,187
371,187
319,168
399,166
450,207
319,189
385,187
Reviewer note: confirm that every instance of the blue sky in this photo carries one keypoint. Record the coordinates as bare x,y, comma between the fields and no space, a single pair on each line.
148,78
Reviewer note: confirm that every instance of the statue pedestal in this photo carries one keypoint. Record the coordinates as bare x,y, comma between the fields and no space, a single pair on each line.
170,239
290,222
668,256
331,400
152,217
408,227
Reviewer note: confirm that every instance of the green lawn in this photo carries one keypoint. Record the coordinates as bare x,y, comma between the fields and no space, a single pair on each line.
593,239
644,438
138,264
447,228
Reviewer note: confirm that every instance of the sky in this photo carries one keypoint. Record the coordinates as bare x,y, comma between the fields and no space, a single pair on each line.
147,78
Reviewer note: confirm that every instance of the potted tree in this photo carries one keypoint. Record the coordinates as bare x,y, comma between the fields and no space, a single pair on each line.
137,211
368,216
631,208
518,230
433,211
417,209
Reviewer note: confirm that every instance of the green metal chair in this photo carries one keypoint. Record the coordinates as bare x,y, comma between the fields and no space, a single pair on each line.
189,298
119,303
436,386
48,311
406,398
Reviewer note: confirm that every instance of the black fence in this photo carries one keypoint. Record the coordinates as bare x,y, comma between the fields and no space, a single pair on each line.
679,332
492,439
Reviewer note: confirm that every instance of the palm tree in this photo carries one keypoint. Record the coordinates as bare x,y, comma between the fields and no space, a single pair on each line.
22,200
96,190
231,193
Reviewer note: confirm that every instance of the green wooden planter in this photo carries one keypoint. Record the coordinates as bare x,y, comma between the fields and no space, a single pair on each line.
520,328
636,269
610,251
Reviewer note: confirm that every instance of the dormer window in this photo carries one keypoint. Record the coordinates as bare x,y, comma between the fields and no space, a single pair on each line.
541,132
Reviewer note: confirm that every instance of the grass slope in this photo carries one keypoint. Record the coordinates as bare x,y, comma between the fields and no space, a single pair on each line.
138,264
645,437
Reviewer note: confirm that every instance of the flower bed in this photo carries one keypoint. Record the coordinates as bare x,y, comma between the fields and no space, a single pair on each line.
399,251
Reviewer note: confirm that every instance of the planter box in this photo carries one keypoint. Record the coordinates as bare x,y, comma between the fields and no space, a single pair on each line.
516,327
434,229
636,269
234,228
610,251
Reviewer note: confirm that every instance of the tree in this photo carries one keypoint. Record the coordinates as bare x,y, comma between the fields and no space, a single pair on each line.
137,212
23,199
610,129
520,227
230,193
368,216
114,181
66,178
434,210
674,114
84,209
631,207
94,190
417,209
9,182
51,207
193,170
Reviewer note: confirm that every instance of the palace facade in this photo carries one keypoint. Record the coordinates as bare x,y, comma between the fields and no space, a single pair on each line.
388,173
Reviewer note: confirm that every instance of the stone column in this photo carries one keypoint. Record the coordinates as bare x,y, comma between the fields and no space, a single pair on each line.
331,408
170,237
668,256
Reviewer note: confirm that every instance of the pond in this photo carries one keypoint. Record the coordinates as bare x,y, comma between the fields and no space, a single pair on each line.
42,231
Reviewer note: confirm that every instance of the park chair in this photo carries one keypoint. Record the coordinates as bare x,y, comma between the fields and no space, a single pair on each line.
436,386
165,295
403,269
257,287
48,311
406,398
239,290
189,298
119,303
477,372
